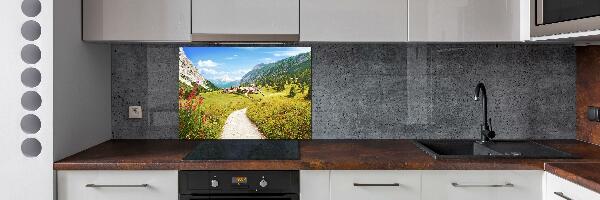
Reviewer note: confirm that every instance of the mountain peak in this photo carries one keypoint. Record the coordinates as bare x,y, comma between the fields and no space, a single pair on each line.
261,65
298,66
189,74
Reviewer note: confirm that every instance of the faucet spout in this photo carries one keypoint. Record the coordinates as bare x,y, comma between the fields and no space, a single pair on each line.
480,94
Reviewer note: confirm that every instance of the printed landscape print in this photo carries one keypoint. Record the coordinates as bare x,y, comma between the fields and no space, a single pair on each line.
245,93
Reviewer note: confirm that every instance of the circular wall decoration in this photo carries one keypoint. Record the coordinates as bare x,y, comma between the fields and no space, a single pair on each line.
30,124
31,77
31,30
31,8
31,147
31,54
31,100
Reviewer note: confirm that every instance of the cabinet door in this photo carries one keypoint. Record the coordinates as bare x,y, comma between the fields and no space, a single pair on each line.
478,185
354,20
117,185
468,20
314,185
136,20
216,20
375,185
560,189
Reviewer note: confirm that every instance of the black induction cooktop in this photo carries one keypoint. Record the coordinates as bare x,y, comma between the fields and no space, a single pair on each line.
245,150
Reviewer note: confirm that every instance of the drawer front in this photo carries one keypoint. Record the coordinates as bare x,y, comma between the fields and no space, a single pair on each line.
477,185
375,185
117,185
560,189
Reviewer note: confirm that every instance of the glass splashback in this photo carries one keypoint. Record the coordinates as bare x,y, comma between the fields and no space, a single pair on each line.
245,93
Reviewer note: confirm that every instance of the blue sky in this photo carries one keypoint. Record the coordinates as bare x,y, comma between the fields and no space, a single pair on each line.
231,63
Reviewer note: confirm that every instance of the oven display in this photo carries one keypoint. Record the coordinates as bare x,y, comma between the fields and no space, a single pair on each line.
239,180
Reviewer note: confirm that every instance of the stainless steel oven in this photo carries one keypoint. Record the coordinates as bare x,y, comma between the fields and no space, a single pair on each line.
552,17
238,185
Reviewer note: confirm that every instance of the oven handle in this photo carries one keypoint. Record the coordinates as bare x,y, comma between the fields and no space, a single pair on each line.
285,196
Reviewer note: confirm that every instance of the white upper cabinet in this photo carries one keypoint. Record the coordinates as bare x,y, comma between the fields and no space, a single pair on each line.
469,20
136,20
307,20
245,20
354,20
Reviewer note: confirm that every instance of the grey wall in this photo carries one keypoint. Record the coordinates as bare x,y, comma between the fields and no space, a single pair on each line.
82,82
384,90
145,75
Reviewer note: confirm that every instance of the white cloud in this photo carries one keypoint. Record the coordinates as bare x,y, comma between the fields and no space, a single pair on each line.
291,51
207,64
231,57
207,71
267,60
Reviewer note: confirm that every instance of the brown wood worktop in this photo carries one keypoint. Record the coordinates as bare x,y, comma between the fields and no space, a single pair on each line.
314,154
584,174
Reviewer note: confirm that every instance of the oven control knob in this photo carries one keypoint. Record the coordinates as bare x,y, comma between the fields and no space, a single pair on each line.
214,183
263,183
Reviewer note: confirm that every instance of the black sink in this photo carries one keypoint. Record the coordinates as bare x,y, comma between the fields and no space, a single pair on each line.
470,149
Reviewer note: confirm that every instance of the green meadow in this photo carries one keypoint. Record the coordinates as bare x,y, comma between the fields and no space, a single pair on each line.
277,113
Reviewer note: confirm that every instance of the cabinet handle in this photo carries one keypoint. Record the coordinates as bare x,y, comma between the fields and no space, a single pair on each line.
115,186
562,195
493,185
376,184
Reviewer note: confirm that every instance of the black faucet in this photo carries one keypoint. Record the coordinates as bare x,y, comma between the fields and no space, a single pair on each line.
487,134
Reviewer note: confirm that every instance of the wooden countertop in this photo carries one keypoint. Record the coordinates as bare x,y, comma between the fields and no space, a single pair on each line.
331,155
584,174
314,154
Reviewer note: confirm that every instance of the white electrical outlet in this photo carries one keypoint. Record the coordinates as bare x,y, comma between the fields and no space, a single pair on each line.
135,112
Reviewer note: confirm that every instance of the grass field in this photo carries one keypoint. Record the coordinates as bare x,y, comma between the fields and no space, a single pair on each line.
278,115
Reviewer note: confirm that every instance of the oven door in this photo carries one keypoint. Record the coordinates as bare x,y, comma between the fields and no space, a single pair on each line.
240,197
551,17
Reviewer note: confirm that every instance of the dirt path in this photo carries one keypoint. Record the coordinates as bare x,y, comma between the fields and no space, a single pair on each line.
238,126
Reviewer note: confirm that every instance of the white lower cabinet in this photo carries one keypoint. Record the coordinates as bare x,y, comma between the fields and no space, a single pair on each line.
375,185
421,185
314,184
117,185
341,185
482,185
560,189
